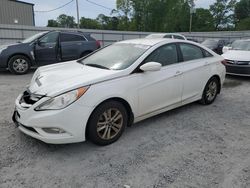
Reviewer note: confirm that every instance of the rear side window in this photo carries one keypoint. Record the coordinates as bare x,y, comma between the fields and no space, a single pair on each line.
71,37
178,37
191,52
168,36
207,54
166,55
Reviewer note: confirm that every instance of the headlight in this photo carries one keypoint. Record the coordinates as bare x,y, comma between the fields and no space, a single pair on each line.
63,100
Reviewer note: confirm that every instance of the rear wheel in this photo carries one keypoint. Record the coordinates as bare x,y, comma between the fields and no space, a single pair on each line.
107,123
210,92
19,64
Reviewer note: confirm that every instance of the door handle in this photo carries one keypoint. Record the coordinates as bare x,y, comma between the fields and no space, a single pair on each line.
178,73
206,64
50,47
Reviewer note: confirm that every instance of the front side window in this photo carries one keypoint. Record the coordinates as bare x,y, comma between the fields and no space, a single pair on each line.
49,38
64,37
34,37
191,52
166,55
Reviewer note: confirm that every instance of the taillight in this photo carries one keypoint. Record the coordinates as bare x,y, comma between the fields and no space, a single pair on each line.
98,44
224,62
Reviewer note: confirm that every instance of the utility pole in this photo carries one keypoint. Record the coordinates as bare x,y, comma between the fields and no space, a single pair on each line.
77,11
192,11
190,22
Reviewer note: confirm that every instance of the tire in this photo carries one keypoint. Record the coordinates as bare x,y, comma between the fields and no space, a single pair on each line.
19,64
110,127
210,92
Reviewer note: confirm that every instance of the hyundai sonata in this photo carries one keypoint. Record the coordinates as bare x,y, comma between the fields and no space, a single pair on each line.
99,95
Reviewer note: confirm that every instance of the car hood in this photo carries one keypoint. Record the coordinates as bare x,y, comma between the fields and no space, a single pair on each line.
237,55
13,45
55,79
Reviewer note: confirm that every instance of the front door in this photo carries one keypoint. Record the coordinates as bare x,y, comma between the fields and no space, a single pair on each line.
46,49
160,89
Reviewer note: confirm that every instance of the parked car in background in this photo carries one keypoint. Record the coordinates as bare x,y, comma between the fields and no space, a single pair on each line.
167,35
193,40
230,46
46,48
238,58
215,44
99,95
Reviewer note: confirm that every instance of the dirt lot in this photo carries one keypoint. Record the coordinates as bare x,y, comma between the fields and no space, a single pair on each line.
193,146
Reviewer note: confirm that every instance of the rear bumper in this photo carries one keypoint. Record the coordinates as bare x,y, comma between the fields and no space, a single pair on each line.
240,70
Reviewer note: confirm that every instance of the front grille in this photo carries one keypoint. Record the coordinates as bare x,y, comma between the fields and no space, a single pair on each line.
28,99
242,70
238,62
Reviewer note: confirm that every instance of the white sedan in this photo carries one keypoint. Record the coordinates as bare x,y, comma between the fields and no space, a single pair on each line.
167,35
237,59
99,95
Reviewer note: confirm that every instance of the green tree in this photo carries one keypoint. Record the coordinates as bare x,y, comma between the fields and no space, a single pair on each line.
222,11
107,22
203,20
160,15
88,23
52,23
243,24
242,15
125,7
66,21
242,9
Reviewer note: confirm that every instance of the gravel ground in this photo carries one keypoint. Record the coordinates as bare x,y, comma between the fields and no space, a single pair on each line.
193,146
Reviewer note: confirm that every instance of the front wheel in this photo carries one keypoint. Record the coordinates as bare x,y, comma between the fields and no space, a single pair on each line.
210,92
107,123
19,64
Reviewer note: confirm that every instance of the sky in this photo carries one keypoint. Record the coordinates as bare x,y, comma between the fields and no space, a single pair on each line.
86,9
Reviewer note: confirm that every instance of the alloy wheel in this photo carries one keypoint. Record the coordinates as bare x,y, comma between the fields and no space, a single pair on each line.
109,124
211,91
20,65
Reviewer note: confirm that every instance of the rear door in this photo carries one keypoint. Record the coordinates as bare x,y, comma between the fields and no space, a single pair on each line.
71,46
46,49
196,70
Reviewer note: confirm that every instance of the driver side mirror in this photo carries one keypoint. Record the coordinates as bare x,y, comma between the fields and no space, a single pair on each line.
39,43
151,66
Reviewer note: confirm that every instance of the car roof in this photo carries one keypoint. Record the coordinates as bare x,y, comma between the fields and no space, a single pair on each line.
164,34
150,41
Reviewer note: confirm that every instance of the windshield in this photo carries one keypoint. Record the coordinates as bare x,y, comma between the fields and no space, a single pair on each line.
210,42
241,45
33,37
116,57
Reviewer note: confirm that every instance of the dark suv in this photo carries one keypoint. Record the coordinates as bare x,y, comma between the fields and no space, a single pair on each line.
215,44
46,48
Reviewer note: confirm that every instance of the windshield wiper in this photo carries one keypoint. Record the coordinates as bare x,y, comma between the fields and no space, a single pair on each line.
97,66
